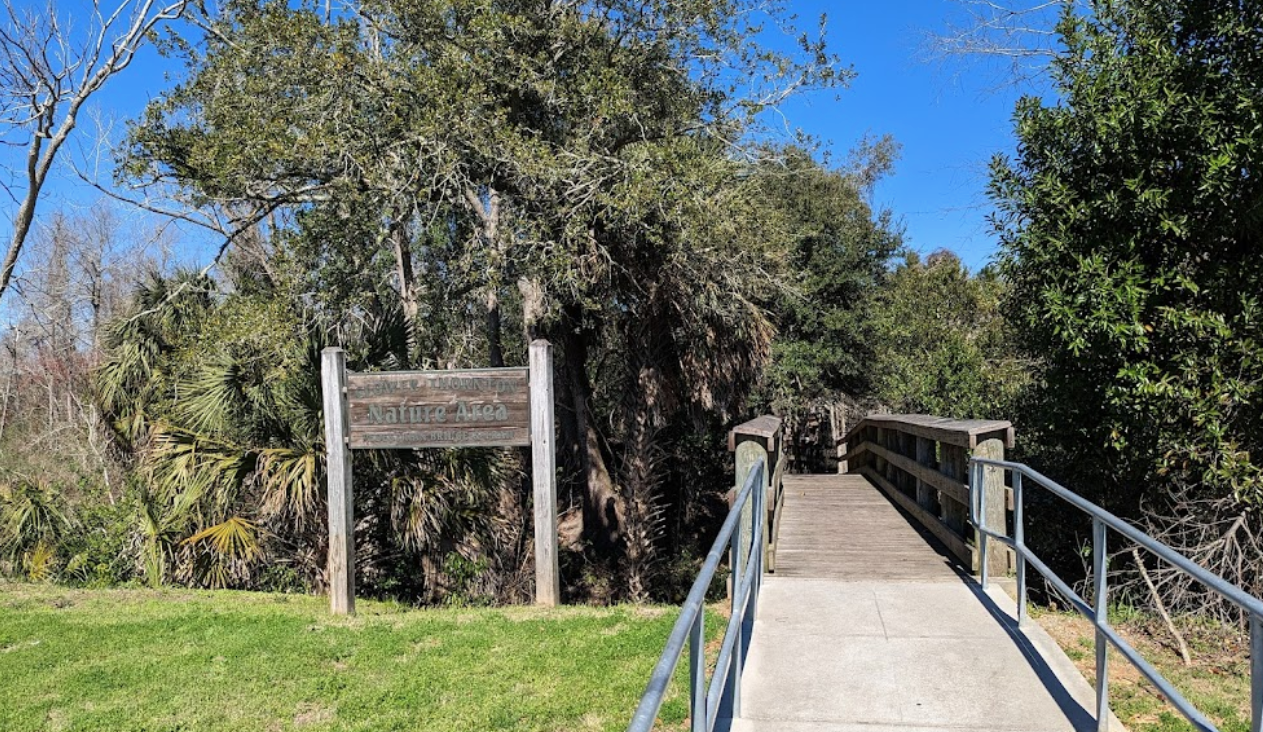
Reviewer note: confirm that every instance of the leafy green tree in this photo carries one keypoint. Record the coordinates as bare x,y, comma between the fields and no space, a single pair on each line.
839,256
1130,219
940,342
579,171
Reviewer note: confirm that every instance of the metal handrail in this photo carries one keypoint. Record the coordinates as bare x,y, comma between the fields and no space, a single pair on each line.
1102,521
747,570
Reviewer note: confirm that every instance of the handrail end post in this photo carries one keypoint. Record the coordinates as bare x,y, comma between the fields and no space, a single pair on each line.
697,672
980,528
1256,672
1100,565
1019,538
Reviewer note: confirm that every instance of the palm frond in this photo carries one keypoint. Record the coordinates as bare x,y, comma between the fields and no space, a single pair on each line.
216,395
291,481
234,538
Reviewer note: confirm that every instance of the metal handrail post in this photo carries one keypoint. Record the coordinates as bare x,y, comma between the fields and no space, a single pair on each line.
760,557
1019,538
981,536
732,688
1235,594
1099,565
1102,523
697,672
1256,672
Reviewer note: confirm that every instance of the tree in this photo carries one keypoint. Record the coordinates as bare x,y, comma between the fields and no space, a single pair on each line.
839,257
940,343
1018,36
579,171
1130,220
48,72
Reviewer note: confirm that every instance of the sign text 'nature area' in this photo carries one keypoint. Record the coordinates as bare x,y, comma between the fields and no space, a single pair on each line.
414,409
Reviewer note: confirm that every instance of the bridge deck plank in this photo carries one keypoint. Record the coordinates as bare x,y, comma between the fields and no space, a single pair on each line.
840,527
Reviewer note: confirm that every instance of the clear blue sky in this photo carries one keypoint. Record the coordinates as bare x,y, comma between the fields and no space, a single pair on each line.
949,118
949,121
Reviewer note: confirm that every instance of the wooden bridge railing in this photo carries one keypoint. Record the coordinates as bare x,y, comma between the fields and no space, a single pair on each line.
922,463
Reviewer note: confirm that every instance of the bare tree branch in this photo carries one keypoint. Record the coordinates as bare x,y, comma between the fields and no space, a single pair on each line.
47,74
1018,34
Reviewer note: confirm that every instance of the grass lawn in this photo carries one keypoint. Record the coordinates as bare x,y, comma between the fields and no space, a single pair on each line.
120,660
1217,682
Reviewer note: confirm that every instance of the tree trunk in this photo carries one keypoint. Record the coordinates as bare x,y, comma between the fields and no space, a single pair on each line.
603,508
532,306
495,347
407,285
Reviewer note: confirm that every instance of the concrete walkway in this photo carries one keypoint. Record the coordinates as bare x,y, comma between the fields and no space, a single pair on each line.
882,632
835,656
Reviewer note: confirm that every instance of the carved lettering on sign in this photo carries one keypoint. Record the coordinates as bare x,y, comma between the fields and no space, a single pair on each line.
489,407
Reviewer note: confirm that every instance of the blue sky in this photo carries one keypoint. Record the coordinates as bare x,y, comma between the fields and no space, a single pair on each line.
949,120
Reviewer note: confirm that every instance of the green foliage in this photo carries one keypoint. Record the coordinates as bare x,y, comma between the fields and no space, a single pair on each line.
1130,220
839,257
33,519
940,342
101,550
426,178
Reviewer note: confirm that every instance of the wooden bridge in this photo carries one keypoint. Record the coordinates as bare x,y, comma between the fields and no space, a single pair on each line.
863,601
870,619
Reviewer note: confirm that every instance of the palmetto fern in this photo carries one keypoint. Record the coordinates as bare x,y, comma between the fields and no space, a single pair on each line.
160,524
40,562
292,480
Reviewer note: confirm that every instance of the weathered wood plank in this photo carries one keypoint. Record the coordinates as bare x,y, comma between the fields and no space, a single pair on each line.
842,527
963,432
765,427
958,492
341,559
544,475
416,409
944,534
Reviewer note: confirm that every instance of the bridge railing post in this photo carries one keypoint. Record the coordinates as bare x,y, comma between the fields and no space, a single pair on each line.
760,438
991,483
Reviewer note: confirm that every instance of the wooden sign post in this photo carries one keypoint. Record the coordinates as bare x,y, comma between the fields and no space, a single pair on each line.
341,507
421,409
544,475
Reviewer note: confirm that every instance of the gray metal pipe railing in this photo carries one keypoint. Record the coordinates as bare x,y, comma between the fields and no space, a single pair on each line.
1102,522
747,570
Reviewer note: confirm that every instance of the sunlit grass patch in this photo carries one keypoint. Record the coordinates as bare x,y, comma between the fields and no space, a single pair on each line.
141,659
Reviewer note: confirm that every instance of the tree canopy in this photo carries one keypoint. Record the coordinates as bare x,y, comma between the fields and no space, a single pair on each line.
479,172
1130,220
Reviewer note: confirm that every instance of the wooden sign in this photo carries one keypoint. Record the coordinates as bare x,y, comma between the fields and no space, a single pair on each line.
413,409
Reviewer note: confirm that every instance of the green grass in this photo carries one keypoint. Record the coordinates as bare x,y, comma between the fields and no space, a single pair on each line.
170,660
1217,682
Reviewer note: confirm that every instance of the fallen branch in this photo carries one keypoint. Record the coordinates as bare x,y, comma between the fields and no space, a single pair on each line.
1162,610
